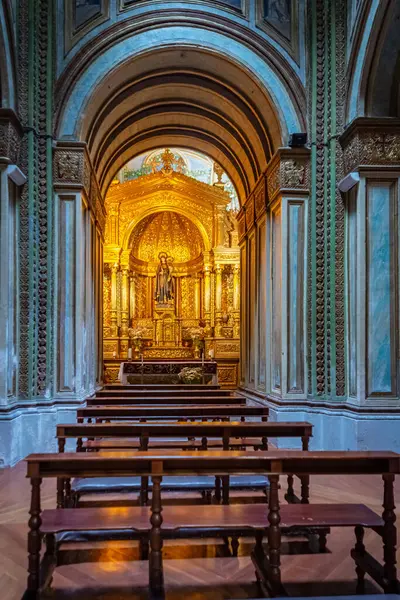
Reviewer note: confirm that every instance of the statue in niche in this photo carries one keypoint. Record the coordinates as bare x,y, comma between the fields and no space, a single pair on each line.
164,293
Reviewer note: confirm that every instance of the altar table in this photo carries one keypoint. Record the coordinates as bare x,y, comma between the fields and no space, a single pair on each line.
156,371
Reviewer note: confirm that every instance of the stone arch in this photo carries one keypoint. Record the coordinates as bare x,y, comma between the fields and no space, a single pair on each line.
376,40
226,99
7,61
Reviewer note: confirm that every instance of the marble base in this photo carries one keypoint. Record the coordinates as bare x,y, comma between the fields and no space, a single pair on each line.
32,429
339,429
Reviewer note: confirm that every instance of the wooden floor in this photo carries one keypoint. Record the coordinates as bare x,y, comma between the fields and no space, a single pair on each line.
209,574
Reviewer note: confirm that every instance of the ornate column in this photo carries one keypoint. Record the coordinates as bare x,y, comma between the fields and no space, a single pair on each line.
132,297
288,190
207,293
236,301
197,296
218,300
125,302
114,304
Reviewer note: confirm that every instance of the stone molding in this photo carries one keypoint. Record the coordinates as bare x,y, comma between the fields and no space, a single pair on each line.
370,142
73,170
288,172
11,133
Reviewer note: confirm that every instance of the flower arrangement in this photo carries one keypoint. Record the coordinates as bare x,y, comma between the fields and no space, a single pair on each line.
136,334
191,375
197,335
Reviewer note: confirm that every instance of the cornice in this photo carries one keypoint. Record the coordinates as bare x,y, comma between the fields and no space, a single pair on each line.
288,172
73,171
371,141
158,182
11,133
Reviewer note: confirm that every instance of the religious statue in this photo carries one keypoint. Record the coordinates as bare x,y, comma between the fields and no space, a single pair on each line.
164,282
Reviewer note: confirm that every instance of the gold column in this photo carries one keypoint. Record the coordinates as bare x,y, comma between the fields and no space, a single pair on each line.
197,296
236,301
125,302
132,300
114,305
207,293
218,300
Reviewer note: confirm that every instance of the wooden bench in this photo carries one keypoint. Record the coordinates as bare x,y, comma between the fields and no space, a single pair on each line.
228,434
224,520
167,400
163,386
166,393
218,412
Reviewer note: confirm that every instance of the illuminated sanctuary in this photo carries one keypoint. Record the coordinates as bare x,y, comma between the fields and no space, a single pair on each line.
176,209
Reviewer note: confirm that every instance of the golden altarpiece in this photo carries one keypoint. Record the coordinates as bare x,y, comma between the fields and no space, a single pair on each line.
175,219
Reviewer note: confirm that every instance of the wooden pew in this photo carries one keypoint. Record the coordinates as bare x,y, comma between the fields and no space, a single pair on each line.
219,412
163,386
169,401
159,523
229,435
165,393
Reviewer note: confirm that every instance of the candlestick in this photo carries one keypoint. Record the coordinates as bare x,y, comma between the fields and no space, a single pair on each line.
202,358
114,354
130,353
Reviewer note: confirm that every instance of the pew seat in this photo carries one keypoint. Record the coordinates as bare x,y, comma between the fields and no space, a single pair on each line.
97,524
132,444
93,485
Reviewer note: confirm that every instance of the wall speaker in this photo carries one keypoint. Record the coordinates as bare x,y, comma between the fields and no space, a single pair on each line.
297,140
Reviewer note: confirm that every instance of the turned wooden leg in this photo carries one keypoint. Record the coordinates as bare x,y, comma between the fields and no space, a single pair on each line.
290,488
264,443
60,492
322,539
305,489
274,535
156,577
225,489
389,535
67,488
360,549
79,445
235,545
204,443
218,488
34,537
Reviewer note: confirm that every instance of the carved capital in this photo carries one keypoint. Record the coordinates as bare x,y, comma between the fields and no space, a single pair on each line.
11,133
72,169
370,142
260,198
249,206
288,172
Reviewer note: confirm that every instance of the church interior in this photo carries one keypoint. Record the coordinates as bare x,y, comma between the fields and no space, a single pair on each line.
199,299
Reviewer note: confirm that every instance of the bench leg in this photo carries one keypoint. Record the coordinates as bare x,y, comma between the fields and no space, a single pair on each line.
225,489
274,536
34,539
218,489
156,576
389,535
235,545
360,549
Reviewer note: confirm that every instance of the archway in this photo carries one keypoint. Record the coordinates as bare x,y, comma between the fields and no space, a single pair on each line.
177,88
